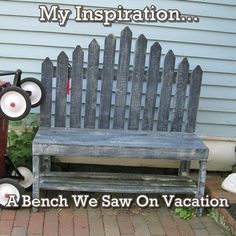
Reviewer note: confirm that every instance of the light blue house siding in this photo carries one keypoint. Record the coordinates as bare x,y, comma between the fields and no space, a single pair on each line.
211,43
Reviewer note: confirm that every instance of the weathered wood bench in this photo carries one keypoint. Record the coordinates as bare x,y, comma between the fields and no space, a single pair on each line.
130,123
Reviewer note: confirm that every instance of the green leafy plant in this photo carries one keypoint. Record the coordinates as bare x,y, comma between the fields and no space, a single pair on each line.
20,137
185,213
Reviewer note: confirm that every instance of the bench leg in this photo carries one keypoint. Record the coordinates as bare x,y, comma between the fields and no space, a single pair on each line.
201,183
36,168
184,168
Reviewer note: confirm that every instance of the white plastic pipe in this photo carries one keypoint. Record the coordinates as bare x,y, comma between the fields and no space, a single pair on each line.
222,155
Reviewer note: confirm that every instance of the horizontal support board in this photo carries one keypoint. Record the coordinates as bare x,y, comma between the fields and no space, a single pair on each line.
61,182
120,176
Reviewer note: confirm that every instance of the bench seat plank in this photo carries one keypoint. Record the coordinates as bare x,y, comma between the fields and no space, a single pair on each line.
119,143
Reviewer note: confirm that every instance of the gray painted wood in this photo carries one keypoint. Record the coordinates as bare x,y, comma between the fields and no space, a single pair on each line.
151,93
181,87
61,94
194,94
122,182
76,87
215,58
122,78
107,79
36,175
137,82
46,79
118,186
115,143
45,164
202,178
167,82
121,176
91,90
184,168
201,183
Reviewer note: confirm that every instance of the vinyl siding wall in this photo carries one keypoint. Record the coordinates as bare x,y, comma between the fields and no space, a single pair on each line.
211,43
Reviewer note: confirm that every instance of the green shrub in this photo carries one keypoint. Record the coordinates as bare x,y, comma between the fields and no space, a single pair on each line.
20,137
185,213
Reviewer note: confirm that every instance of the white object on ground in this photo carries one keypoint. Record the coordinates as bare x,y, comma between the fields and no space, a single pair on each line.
229,184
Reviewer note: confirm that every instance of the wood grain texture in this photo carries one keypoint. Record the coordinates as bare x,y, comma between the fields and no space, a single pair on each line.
107,79
61,182
137,82
151,93
121,176
201,183
181,87
36,175
45,164
91,90
76,87
61,87
106,142
167,83
115,143
46,79
122,78
194,94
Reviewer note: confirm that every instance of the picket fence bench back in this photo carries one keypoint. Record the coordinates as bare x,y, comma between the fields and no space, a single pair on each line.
128,100
122,75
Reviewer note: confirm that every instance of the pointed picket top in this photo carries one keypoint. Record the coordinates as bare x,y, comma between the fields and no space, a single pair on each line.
126,31
194,94
156,47
142,39
197,70
110,40
110,36
184,64
183,70
126,34
170,55
169,61
122,78
141,46
62,56
93,53
125,37
62,72
196,77
94,44
137,82
47,61
46,79
77,52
